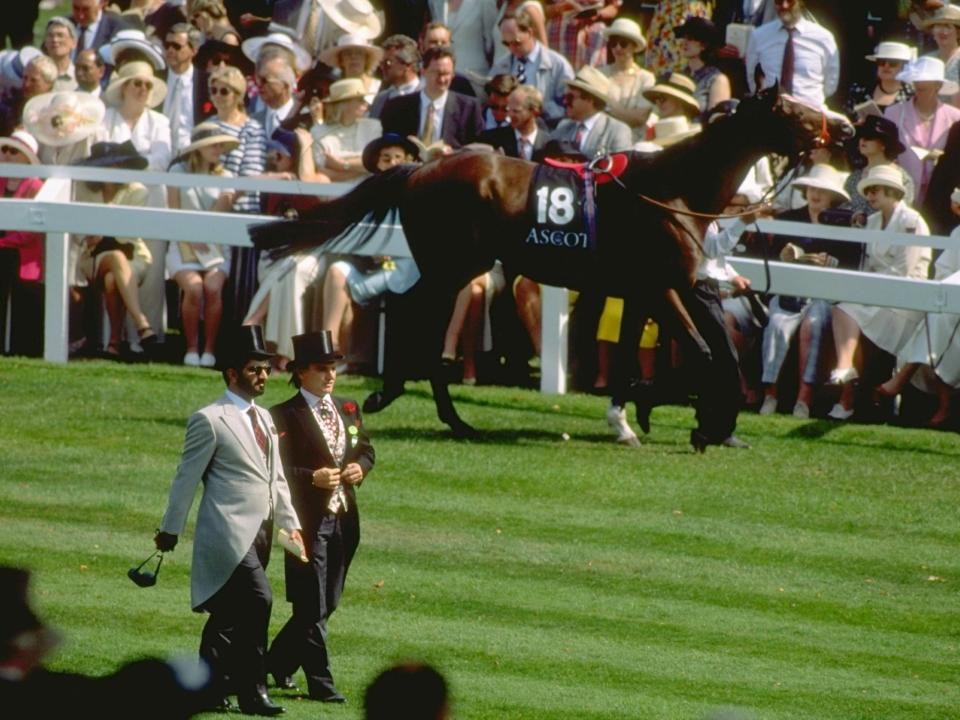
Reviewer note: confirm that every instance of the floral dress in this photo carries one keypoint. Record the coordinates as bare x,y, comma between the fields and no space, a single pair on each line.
663,49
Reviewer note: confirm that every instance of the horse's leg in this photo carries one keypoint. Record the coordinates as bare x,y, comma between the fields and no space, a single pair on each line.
623,376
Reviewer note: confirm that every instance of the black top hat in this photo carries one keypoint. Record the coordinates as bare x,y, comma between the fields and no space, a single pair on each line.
313,347
15,614
700,29
876,127
244,343
115,155
371,152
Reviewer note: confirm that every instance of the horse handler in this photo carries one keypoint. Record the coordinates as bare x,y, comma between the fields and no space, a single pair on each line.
232,447
326,455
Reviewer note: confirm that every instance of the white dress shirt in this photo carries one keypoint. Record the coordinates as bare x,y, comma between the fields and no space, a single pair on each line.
244,407
816,69
436,107
184,122
275,116
525,144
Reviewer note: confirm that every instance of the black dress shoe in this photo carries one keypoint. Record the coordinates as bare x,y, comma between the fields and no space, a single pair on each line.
699,441
260,704
284,682
221,705
380,399
334,697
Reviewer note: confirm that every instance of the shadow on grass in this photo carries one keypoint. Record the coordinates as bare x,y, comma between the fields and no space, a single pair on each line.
821,429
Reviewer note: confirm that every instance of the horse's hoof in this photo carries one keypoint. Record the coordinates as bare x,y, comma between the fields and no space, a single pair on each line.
630,440
462,431
643,401
699,441
378,400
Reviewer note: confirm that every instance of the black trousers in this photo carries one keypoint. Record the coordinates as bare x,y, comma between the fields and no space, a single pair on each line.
234,639
315,589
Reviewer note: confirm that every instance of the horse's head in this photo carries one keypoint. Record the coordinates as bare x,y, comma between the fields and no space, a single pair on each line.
789,126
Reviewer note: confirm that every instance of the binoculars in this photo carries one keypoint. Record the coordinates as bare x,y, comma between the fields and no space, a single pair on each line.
146,578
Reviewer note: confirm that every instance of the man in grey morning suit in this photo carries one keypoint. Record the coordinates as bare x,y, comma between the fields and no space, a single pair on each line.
232,447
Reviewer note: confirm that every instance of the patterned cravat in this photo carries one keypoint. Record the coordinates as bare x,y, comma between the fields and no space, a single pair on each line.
258,431
331,428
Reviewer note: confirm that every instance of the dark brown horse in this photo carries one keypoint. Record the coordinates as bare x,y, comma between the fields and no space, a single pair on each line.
464,211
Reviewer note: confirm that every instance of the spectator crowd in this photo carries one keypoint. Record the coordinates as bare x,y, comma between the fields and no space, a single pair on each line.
335,90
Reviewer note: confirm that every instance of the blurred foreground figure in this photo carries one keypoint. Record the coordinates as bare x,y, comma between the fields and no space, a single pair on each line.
168,690
411,691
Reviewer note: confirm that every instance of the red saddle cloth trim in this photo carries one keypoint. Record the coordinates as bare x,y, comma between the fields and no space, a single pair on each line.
603,172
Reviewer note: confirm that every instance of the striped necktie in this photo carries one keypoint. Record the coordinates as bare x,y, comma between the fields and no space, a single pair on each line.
522,71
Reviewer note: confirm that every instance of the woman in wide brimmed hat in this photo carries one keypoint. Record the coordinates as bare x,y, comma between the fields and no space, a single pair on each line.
878,141
887,328
884,89
700,40
21,148
822,190
924,120
627,79
118,265
339,142
129,98
944,26
200,270
130,45
673,95
356,58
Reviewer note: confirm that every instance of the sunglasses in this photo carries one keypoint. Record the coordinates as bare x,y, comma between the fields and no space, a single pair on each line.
258,369
11,151
220,91
619,42
170,45
892,63
140,84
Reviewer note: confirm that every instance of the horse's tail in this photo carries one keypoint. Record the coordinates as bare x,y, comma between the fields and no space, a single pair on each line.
369,202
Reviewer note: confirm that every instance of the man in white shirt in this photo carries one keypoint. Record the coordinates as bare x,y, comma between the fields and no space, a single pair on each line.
276,81
59,40
400,67
526,133
179,49
798,53
587,125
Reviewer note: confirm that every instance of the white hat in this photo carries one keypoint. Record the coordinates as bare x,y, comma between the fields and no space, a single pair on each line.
24,142
331,56
928,69
671,130
62,118
13,63
626,28
946,15
346,89
893,51
356,17
134,70
883,175
591,81
131,39
750,189
252,46
824,177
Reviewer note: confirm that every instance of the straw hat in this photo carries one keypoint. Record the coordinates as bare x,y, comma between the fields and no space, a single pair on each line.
356,17
893,51
24,142
62,118
928,69
824,177
206,134
676,86
883,175
591,81
13,63
947,15
626,28
130,39
671,130
345,90
331,56
253,46
128,72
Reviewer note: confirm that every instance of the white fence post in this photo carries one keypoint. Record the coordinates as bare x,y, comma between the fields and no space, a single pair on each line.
554,313
56,309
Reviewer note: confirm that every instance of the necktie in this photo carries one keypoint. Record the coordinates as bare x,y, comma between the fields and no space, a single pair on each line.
174,114
258,431
329,420
522,71
428,125
81,41
524,148
581,134
786,67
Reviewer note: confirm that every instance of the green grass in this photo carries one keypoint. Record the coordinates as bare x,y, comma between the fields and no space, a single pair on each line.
814,576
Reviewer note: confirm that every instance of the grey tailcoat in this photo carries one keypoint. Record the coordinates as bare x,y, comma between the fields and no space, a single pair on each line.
238,488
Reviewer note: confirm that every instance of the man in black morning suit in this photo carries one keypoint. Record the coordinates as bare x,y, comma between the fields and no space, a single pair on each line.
326,453
527,133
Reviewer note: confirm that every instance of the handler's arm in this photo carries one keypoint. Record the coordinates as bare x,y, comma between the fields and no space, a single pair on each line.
198,449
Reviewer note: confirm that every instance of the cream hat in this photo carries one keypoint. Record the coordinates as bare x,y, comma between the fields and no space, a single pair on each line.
928,69
591,81
62,118
132,39
671,130
893,51
252,46
626,28
676,86
947,15
346,90
824,177
356,17
209,133
24,142
883,175
331,56
136,70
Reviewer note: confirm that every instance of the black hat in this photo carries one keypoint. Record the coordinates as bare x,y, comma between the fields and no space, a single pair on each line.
876,127
700,29
245,343
313,347
371,153
219,50
555,149
114,155
16,617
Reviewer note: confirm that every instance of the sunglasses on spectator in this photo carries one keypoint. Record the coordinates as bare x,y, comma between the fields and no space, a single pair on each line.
497,106
619,42
170,45
140,84
11,151
220,91
257,369
266,81
892,63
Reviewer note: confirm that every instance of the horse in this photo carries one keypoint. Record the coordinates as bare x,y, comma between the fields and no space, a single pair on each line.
463,211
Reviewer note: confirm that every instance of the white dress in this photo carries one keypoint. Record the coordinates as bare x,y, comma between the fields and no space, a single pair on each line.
891,328
345,142
203,199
